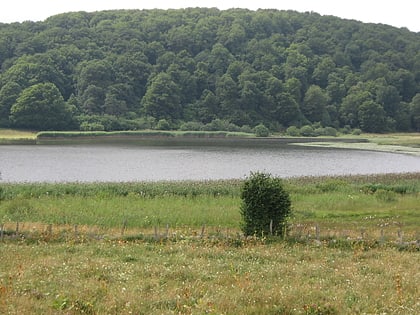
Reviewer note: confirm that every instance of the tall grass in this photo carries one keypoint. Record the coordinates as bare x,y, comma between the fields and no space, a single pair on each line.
345,270
368,202
183,278
16,134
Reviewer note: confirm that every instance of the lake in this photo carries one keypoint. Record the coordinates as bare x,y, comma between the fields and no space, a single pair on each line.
166,160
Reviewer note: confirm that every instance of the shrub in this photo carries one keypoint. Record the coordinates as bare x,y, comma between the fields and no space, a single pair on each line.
218,125
86,126
191,126
293,131
330,131
327,131
246,128
356,132
307,131
345,130
261,131
232,127
265,204
163,124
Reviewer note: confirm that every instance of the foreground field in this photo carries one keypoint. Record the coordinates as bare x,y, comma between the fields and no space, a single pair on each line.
176,248
115,277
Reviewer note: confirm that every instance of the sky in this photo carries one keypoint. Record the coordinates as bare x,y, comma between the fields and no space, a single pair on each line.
401,13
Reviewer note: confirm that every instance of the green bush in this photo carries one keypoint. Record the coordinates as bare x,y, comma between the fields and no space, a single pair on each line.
327,131
307,131
265,205
261,131
163,124
356,132
246,129
293,131
191,126
86,126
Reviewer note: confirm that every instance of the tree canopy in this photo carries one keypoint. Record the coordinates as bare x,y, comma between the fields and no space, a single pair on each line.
130,69
41,106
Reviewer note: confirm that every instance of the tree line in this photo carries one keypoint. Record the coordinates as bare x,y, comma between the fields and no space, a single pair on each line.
204,68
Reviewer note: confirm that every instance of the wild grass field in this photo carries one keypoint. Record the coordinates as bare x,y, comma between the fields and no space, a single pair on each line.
176,248
14,136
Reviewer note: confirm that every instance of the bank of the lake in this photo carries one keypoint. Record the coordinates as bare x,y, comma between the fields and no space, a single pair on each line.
14,136
407,143
370,146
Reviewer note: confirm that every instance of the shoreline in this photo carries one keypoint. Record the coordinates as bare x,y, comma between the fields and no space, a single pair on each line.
381,143
65,137
366,146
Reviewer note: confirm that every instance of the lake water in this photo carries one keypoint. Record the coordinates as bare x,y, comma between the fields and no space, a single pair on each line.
179,161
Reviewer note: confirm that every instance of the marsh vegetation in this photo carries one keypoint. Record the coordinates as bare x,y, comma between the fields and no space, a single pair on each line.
92,249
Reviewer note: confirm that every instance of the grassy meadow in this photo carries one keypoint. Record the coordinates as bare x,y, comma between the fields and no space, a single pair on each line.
177,248
14,136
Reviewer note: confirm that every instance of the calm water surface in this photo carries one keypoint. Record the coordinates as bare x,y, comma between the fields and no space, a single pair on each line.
131,162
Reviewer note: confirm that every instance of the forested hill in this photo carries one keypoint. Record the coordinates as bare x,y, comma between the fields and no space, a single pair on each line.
208,69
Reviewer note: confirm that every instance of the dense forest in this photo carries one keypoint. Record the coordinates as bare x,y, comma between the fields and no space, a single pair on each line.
208,69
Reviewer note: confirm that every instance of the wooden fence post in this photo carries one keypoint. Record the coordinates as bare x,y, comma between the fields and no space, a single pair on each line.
167,231
317,232
400,236
2,232
124,227
382,239
202,230
156,234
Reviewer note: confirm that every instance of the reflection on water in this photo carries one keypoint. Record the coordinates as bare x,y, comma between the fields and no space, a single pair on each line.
130,162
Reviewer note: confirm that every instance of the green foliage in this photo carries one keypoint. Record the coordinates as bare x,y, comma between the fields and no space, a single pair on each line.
163,124
386,195
265,205
261,131
372,117
18,210
40,106
191,126
330,185
307,131
140,189
293,131
280,68
94,126
415,110
396,188
327,131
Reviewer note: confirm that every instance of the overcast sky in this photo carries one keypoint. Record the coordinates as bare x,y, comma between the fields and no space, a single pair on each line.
401,13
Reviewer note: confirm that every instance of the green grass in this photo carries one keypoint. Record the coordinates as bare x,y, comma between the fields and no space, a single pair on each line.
114,277
16,134
400,139
344,200
13,136
92,249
